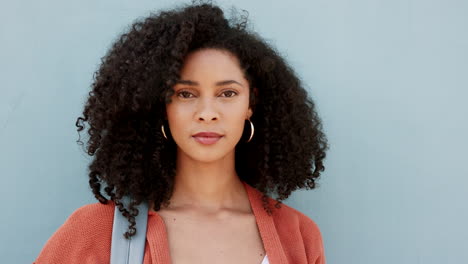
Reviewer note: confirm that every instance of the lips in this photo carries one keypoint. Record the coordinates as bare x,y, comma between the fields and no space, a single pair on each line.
207,134
207,138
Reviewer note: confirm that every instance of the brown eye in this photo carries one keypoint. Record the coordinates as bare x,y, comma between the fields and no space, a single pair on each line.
230,92
183,92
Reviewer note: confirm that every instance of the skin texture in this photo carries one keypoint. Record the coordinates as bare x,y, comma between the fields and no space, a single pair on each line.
134,93
209,207
206,176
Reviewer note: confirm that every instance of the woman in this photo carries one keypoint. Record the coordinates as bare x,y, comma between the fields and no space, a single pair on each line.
201,118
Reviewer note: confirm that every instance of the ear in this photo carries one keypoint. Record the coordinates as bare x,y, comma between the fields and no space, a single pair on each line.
249,113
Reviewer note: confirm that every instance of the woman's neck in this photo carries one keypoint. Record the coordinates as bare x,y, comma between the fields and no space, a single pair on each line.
208,187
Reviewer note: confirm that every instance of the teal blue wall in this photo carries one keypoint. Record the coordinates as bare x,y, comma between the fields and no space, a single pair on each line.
389,78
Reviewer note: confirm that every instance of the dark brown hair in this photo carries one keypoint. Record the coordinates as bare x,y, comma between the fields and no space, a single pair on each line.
126,109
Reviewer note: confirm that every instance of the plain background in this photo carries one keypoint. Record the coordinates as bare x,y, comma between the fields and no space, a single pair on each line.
389,79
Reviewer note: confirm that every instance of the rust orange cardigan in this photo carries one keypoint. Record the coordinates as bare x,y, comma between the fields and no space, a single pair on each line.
289,236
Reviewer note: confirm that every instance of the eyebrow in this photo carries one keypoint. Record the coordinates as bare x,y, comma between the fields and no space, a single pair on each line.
220,83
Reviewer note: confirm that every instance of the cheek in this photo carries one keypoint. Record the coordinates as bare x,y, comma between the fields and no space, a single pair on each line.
176,117
236,120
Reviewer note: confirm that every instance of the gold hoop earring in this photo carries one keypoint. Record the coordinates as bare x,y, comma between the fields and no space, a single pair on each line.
162,129
251,130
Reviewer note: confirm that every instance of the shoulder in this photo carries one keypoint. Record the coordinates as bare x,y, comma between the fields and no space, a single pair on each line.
85,234
293,217
287,219
90,212
298,229
89,220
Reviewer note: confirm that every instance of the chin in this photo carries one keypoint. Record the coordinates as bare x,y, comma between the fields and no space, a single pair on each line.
207,158
207,155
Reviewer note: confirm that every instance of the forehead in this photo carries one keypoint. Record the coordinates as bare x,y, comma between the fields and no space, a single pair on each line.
211,63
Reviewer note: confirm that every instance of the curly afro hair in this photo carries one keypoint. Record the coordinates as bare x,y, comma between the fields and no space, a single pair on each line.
126,108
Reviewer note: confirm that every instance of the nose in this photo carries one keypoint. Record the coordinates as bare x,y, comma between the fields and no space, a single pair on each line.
207,110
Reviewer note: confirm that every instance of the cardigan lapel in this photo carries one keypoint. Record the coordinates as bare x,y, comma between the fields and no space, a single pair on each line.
159,244
156,235
266,226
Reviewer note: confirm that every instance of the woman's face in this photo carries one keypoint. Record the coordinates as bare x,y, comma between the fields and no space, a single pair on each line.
212,96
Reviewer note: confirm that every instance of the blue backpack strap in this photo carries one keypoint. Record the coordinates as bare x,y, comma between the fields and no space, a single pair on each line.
129,251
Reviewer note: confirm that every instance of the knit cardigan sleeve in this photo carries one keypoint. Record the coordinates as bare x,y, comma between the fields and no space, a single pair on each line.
313,242
85,237
300,236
